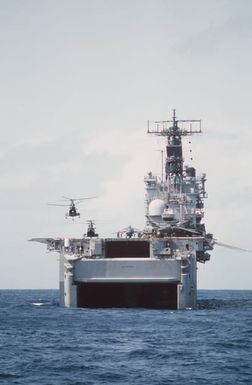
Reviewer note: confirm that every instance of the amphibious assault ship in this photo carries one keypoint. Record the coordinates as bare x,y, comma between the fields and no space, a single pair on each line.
157,266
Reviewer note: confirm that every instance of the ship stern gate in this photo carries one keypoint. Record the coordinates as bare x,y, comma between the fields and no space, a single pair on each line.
130,273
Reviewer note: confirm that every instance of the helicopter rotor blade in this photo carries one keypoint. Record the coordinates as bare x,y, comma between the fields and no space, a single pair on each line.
82,199
191,231
129,229
126,229
56,204
231,247
77,199
69,199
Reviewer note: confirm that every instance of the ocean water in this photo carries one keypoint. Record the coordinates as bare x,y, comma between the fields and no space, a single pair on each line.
52,345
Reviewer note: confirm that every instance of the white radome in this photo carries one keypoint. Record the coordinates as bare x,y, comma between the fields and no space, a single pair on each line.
156,208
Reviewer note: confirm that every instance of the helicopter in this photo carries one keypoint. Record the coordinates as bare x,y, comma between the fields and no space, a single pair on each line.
129,232
72,212
91,229
169,230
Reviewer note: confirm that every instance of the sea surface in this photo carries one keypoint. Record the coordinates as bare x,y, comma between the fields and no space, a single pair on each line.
48,344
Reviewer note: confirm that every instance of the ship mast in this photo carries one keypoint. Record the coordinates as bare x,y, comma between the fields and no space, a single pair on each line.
171,130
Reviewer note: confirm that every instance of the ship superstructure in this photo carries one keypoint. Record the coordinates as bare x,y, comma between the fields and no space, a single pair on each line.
155,267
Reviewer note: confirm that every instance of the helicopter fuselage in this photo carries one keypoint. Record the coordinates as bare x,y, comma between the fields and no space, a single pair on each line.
72,212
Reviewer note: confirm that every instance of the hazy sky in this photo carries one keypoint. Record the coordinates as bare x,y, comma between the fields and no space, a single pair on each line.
78,81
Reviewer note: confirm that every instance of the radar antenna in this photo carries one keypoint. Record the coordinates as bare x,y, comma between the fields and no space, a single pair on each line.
171,129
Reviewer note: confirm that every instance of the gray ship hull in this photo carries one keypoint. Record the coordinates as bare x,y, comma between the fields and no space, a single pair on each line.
158,281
